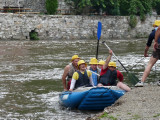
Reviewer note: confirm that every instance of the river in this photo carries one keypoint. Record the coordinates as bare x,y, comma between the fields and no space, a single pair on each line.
30,74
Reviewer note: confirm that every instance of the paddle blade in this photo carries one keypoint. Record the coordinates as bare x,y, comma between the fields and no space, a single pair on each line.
132,78
99,30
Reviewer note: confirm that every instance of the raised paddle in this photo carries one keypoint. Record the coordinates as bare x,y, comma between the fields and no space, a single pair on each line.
98,36
133,79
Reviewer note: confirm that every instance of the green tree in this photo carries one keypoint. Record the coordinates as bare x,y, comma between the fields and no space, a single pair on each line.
124,7
156,6
79,5
110,7
117,7
140,8
51,6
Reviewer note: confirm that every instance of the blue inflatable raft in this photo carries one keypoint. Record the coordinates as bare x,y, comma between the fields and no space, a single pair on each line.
90,98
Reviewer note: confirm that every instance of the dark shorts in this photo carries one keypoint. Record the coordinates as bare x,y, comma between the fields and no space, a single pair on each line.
156,54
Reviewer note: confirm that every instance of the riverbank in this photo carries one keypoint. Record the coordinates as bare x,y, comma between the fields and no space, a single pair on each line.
142,103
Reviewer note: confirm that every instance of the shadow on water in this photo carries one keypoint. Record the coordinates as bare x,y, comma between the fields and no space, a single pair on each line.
31,74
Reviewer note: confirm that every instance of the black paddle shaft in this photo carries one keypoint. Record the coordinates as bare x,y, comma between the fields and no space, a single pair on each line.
123,66
97,49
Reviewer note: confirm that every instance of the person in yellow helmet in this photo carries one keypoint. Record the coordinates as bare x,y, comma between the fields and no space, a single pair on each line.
82,77
100,64
155,34
68,72
151,37
94,69
109,75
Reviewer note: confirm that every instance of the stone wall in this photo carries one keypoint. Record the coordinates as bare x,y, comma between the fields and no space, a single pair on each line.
34,5
17,26
11,3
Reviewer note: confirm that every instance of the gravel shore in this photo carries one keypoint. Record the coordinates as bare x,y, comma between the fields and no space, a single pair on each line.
141,103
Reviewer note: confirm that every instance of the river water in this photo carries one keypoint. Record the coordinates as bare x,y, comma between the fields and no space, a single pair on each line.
30,74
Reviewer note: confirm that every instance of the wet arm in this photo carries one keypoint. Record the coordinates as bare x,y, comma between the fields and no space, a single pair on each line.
107,60
146,51
64,76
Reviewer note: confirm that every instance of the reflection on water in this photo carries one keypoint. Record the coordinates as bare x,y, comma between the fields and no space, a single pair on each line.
31,74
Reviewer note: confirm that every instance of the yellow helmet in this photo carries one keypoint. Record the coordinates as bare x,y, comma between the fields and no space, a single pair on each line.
93,61
156,23
75,57
81,62
101,62
112,64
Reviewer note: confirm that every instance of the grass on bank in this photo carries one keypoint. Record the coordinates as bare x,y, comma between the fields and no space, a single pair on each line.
157,115
105,115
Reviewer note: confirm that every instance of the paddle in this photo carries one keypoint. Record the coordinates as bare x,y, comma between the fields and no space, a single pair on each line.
98,36
133,79
94,73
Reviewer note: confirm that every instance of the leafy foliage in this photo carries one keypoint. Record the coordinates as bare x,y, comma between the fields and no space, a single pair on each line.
156,4
51,6
92,5
117,7
124,7
140,8
33,35
132,8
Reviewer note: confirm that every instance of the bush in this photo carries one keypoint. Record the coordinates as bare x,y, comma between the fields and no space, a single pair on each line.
143,17
33,35
156,5
133,21
51,6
